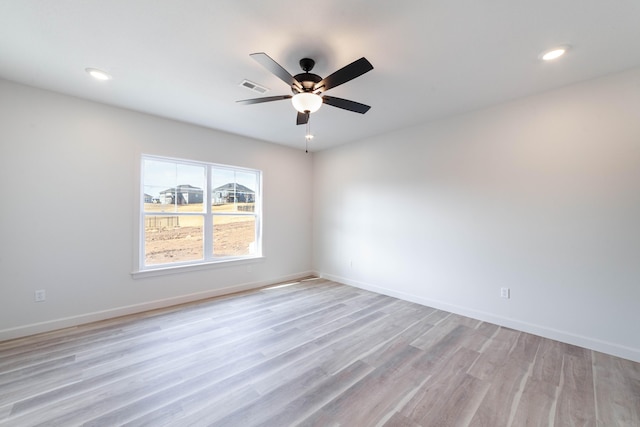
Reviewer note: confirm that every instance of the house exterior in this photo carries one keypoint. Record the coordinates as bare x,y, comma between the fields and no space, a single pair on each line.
182,195
233,192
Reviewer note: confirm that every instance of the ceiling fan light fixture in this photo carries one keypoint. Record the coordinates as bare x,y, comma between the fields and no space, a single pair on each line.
306,102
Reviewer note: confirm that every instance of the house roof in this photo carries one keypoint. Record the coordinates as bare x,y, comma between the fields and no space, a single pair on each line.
184,187
431,59
239,188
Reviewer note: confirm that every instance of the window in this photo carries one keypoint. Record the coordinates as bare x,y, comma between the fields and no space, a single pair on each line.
196,213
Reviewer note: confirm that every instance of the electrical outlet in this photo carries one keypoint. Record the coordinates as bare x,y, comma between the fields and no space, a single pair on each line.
40,295
505,293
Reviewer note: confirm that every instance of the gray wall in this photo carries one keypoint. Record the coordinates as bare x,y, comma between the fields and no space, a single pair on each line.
81,249
540,195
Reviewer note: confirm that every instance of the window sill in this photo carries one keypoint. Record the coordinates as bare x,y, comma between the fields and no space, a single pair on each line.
175,269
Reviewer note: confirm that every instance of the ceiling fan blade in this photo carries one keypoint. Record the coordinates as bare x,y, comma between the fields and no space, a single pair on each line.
345,104
266,99
302,118
344,74
276,69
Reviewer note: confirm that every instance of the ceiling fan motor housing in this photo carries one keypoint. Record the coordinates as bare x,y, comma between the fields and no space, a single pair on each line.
308,81
307,64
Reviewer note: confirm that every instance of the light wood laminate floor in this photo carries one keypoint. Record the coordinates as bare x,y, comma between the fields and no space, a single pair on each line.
315,353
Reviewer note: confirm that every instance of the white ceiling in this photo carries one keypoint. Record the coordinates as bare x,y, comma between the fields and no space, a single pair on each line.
186,59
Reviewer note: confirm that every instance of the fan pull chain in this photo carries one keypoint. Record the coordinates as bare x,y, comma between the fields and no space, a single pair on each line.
308,137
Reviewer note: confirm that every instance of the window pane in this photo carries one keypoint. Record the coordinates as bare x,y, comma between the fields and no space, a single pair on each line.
233,191
234,235
179,224
175,238
172,186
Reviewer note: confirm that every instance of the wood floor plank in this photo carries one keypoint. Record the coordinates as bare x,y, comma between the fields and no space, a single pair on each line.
335,350
399,420
309,352
447,375
575,404
525,349
203,408
617,390
536,405
373,397
368,341
273,402
107,375
215,382
482,333
502,396
371,308
547,365
312,400
396,344
494,354
162,416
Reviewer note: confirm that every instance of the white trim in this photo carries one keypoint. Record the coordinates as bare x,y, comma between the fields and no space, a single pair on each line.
554,334
165,269
71,321
207,230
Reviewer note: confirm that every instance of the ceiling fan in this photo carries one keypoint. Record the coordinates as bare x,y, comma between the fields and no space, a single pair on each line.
308,88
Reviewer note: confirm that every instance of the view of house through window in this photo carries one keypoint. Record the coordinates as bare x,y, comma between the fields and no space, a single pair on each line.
197,212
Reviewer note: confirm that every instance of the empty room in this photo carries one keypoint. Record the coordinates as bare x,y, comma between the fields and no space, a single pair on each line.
342,213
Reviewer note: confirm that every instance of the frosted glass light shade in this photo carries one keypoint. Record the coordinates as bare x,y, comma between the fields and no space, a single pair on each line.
306,101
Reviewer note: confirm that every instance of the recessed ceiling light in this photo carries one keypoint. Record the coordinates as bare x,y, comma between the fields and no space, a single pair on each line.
98,74
554,53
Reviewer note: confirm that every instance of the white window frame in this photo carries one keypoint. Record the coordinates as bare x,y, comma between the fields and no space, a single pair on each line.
207,214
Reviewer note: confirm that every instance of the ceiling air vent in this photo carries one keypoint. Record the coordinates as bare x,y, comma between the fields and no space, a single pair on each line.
253,86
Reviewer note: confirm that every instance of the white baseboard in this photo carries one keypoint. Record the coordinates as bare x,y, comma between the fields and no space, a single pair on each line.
66,322
554,334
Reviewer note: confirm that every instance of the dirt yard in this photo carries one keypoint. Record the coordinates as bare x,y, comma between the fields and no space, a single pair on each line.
172,239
